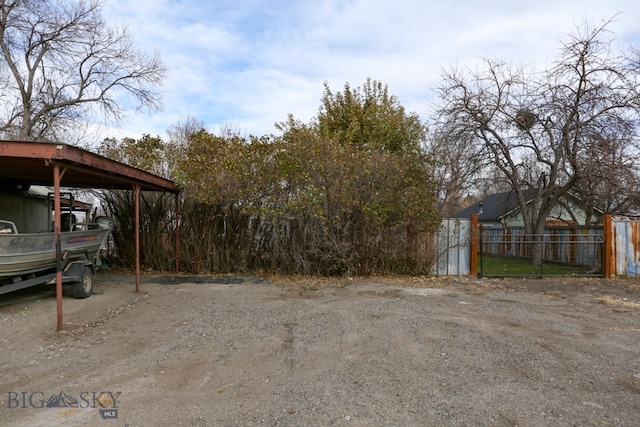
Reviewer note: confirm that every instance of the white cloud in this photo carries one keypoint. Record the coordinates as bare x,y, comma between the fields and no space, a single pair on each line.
247,64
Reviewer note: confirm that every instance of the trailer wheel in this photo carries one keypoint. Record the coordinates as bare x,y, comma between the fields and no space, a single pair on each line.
83,288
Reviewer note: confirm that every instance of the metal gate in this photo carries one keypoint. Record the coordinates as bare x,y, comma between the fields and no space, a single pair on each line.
464,247
626,246
559,251
452,249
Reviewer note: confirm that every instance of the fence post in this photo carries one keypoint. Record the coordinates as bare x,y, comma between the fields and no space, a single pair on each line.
608,243
473,247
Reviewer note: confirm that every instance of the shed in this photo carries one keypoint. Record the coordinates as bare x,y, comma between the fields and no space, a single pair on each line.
30,209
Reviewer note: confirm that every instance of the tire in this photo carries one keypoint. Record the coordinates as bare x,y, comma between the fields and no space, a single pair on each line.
83,288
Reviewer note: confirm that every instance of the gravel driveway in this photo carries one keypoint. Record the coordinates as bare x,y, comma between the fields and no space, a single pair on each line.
301,352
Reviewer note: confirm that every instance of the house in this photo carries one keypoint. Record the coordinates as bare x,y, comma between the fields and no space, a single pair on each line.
502,210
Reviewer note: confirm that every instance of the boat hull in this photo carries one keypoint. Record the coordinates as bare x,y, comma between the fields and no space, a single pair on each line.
22,254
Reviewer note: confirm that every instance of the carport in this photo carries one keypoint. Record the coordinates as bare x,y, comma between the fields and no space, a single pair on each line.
62,165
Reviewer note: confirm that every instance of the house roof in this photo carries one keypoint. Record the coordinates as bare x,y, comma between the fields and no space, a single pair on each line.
495,206
29,163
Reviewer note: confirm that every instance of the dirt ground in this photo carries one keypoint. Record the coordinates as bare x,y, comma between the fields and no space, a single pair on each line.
299,352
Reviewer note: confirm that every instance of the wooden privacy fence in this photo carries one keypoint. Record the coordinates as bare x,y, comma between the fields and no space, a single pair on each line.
614,247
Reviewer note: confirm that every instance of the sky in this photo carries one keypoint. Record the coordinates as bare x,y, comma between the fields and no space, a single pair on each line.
245,65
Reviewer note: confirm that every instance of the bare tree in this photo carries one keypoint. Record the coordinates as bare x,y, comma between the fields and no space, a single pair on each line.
457,170
62,64
180,132
542,129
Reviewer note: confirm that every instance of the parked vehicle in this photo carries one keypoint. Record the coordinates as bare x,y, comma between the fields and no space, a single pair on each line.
30,259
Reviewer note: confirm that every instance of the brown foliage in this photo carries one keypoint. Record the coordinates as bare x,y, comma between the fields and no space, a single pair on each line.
304,204
301,203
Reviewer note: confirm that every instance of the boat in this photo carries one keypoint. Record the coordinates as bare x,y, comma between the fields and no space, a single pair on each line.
24,254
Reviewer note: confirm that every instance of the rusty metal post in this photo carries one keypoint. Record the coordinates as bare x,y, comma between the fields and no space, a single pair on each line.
473,259
57,223
609,243
177,234
136,190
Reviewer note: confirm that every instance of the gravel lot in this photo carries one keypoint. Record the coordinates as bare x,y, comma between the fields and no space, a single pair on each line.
300,352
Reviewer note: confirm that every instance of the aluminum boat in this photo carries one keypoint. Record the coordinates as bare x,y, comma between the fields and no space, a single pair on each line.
29,253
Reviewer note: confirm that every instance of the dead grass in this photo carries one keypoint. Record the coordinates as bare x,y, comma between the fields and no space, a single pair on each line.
619,302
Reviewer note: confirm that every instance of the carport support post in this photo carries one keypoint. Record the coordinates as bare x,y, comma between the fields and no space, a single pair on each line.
57,224
136,190
177,234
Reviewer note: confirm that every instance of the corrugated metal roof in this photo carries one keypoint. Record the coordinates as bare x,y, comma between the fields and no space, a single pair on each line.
29,163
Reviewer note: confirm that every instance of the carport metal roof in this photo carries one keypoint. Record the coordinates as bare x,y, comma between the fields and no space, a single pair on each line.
62,165
30,163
